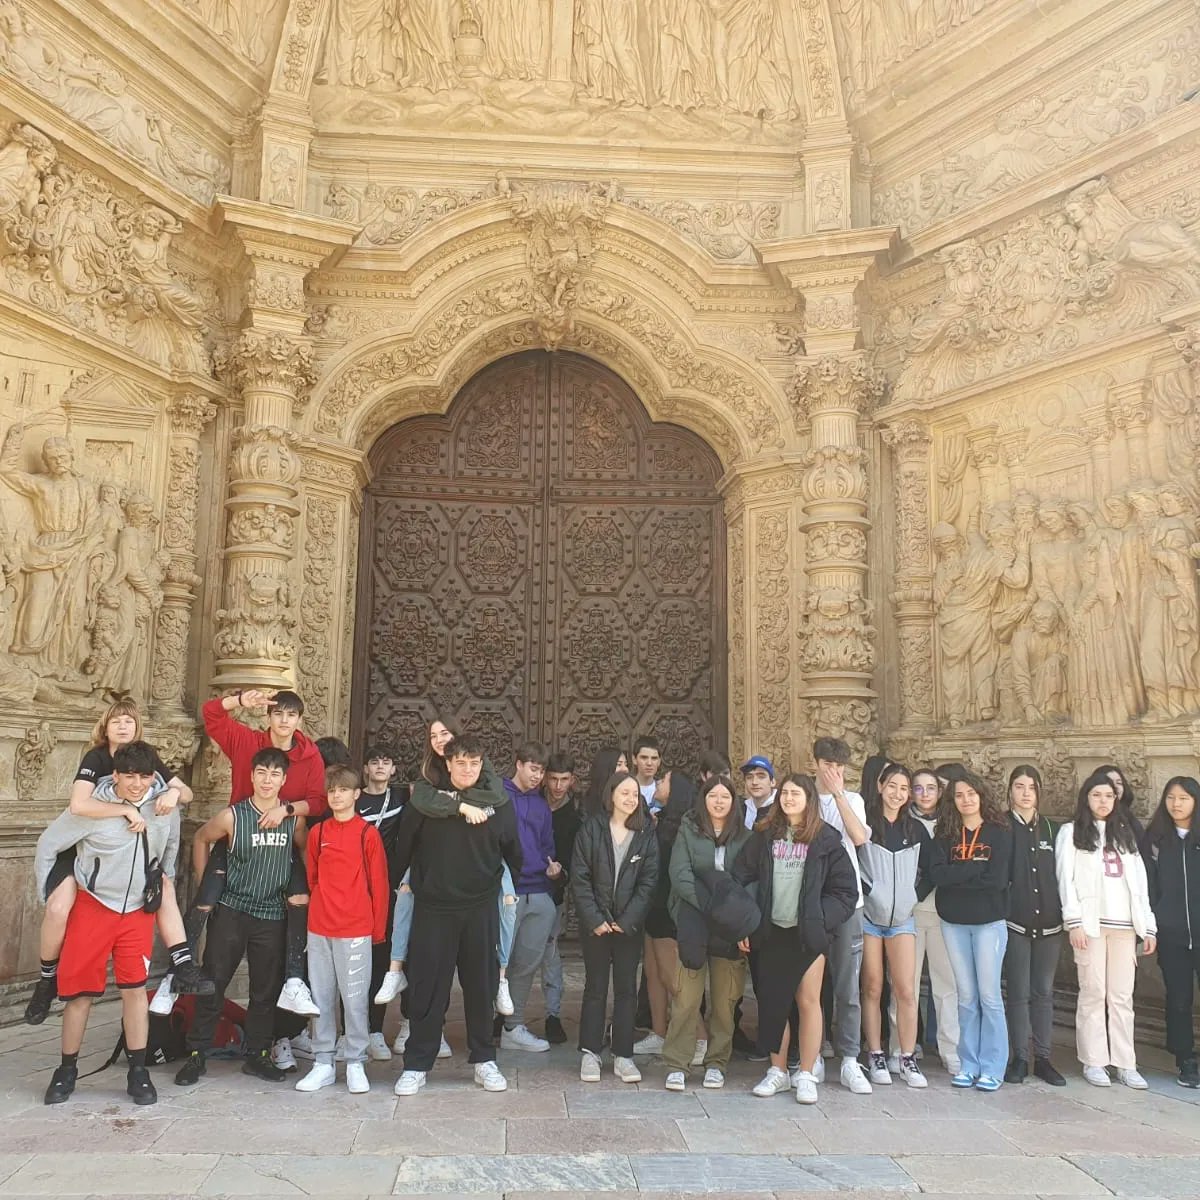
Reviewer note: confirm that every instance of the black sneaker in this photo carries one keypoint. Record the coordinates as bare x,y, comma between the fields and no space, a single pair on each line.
62,1084
1045,1070
138,1085
38,1008
189,980
193,1067
1018,1069
1189,1074
261,1066
555,1033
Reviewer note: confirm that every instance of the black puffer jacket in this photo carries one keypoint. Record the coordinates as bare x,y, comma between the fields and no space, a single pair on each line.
593,866
828,894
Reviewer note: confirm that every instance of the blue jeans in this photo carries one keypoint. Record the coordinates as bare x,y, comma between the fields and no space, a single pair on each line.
977,959
402,923
508,918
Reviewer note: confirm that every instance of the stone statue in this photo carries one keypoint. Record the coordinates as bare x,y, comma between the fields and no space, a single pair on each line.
355,46
753,73
1011,605
683,75
515,33
54,560
1103,679
1039,666
24,162
608,63
1053,563
421,44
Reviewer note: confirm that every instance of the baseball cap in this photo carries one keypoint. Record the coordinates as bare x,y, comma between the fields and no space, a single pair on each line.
758,761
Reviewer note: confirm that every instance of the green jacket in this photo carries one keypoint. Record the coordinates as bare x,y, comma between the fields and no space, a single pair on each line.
489,792
694,851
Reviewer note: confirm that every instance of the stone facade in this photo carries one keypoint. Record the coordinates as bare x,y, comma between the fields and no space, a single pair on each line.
940,323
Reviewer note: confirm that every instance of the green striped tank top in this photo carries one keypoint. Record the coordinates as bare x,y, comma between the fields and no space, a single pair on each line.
260,864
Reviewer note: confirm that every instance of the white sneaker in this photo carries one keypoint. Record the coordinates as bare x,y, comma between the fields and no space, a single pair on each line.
650,1044
164,998
504,1004
394,982
1097,1076
319,1075
521,1039
296,998
806,1087
302,1046
488,1076
356,1078
911,1073
701,1051
409,1083
827,1049
818,1071
676,1081
625,1069
589,1067
1131,1078
772,1083
444,1050
853,1077
377,1048
714,1077
878,1067
893,1063
402,1036
281,1055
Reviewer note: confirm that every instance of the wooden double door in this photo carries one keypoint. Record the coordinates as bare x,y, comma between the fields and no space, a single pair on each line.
542,562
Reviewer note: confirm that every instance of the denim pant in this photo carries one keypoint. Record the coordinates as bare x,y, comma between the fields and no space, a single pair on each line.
977,957
1029,966
552,967
402,923
508,919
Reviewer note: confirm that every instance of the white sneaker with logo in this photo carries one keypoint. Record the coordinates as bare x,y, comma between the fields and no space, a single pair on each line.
625,1069
488,1076
504,1004
772,1083
296,998
1097,1076
164,997
676,1081
356,1079
854,1079
714,1077
281,1055
521,1039
911,1073
394,982
319,1075
410,1083
806,1087
589,1067
878,1067
1131,1078
377,1048
650,1044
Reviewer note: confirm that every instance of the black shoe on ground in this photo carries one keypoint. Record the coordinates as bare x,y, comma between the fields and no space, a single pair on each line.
497,1028
1189,1073
260,1065
741,1043
1044,1069
555,1033
62,1084
1018,1069
38,1008
189,980
193,1067
138,1085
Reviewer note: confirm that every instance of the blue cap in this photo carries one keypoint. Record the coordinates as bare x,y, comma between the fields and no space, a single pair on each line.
759,760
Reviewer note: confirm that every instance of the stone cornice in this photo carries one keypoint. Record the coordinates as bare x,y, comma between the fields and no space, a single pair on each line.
282,235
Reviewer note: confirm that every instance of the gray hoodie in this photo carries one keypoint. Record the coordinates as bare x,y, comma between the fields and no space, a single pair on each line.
108,855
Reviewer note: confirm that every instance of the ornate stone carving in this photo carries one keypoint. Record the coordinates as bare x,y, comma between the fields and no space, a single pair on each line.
249,27
32,755
91,90
835,382
316,628
599,649
773,633
1059,777
262,360
391,215
737,636
726,229
836,633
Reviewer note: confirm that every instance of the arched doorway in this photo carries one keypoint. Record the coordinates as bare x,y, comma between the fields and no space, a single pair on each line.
543,561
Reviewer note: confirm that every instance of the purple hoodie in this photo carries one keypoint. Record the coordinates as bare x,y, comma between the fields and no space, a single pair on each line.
535,828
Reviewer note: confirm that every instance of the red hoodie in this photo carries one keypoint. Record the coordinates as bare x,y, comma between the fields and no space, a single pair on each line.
347,880
305,779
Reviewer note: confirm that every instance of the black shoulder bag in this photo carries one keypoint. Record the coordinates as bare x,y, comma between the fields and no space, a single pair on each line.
153,893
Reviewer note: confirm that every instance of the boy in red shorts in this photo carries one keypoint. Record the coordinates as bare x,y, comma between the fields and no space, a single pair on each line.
108,920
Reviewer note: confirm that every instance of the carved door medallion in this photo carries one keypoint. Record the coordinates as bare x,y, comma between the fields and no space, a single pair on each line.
545,562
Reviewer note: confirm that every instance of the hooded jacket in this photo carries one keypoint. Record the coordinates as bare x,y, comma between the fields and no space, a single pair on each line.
109,860
828,894
1173,870
599,897
890,873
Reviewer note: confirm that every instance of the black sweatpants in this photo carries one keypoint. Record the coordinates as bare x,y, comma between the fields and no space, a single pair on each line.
232,936
615,954
782,964
1180,969
440,942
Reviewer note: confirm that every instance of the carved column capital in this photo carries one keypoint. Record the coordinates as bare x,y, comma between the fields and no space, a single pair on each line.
1186,340
909,442
831,392
272,362
190,413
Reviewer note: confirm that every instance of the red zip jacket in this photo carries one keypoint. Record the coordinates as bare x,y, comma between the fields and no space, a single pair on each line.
305,779
347,880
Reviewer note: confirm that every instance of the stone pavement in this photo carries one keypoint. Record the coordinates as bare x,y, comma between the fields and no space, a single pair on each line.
550,1134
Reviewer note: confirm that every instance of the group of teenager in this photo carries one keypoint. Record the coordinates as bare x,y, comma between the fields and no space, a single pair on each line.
344,890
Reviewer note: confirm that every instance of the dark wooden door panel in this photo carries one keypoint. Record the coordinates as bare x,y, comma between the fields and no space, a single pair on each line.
543,562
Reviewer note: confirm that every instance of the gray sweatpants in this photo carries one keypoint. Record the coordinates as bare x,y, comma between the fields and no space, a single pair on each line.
534,921
845,969
552,967
340,967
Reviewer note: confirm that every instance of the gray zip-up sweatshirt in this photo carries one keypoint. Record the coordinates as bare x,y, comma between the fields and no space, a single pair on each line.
108,855
890,874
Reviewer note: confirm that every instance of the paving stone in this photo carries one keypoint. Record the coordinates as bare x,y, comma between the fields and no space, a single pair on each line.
978,1174
854,1171
289,1175
720,1173
469,1101
884,1135
634,1103
10,1163
432,1135
773,1135
520,1172
1128,1175
35,1131
59,1174
1101,1137
306,1135
581,1135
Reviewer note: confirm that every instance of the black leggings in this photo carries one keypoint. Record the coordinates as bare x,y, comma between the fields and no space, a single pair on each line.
782,962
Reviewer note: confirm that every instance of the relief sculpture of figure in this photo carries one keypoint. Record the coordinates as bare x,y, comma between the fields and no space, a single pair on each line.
1102,667
1011,605
421,43
25,160
353,56
515,32
1052,561
1039,665
52,610
683,75
753,73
